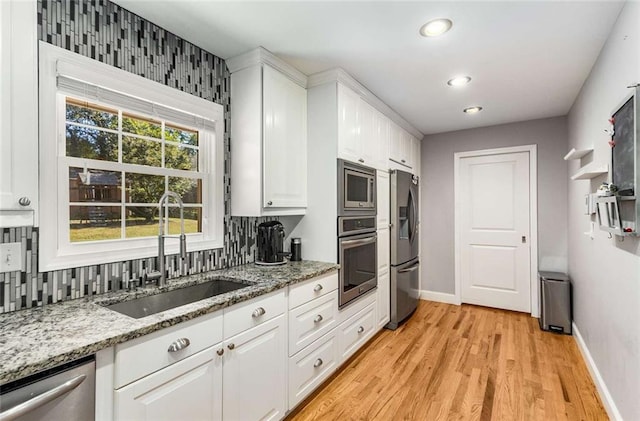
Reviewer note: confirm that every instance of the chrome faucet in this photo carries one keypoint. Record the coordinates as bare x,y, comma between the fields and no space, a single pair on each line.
161,275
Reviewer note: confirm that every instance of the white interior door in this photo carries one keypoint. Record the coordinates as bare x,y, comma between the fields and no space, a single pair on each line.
494,217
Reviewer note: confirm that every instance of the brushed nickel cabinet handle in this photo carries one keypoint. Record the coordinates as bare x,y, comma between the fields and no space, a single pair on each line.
231,346
269,203
318,363
179,344
317,288
260,311
360,329
361,160
24,201
220,351
318,319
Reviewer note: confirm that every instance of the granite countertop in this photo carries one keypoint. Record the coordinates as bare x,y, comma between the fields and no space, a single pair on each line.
36,339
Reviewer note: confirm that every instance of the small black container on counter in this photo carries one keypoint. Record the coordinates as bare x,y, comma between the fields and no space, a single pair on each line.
296,249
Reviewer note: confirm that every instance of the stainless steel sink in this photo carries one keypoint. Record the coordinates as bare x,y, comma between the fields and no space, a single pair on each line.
152,304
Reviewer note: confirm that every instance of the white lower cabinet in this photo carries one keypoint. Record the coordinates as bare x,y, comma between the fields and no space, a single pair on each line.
383,299
252,361
187,390
254,377
310,367
354,332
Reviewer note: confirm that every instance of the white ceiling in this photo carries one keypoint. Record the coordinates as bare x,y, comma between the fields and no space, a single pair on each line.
528,60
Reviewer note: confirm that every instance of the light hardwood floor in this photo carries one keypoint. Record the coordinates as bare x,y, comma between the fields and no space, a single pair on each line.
460,363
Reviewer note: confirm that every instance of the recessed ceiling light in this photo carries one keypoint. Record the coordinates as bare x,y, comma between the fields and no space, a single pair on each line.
435,27
472,110
459,81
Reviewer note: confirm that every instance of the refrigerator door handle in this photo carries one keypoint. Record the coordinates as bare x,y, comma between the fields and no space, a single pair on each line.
411,269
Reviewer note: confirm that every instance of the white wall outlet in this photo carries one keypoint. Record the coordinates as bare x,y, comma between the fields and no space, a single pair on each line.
10,257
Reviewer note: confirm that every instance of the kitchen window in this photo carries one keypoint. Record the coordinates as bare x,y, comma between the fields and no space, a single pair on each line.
111,144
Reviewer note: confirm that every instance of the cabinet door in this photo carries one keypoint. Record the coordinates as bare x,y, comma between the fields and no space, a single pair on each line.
395,142
254,380
415,155
348,129
383,298
18,114
187,390
368,142
381,135
405,148
382,195
284,141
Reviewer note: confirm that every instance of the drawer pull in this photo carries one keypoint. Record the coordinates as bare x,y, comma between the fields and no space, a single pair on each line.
318,363
360,329
179,344
317,288
220,351
318,319
24,201
231,345
260,311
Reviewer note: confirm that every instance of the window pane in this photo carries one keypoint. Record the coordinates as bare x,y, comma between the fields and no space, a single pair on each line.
141,152
181,135
94,223
86,142
94,185
189,189
192,220
142,188
91,114
142,221
141,126
180,157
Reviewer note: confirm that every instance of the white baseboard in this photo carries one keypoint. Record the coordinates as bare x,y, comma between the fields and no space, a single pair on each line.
441,297
603,391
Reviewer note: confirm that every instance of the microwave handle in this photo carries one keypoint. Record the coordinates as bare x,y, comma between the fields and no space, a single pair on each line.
372,192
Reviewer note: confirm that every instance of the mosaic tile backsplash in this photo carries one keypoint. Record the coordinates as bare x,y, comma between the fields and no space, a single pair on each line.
106,32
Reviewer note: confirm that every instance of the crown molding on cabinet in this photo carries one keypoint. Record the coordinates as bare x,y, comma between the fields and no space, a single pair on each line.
341,76
262,56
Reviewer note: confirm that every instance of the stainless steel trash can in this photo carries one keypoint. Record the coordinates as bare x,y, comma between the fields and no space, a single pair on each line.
555,314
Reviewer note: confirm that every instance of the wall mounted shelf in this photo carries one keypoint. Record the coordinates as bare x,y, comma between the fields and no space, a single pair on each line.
589,172
577,153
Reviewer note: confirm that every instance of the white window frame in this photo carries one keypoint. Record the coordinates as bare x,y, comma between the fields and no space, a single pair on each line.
56,251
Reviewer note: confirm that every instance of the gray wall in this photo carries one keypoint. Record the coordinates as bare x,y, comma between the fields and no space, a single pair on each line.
437,215
606,272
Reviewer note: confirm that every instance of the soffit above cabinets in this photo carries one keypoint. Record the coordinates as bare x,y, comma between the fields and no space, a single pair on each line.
527,59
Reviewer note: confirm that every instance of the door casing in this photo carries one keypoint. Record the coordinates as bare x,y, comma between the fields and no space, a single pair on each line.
533,212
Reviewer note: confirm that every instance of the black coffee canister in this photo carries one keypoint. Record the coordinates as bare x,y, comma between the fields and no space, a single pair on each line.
296,249
270,239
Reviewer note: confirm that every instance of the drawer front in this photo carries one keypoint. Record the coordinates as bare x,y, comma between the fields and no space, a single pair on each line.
311,366
243,316
310,321
147,354
356,306
356,331
317,287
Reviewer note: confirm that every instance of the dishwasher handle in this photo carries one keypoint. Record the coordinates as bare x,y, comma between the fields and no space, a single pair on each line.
42,399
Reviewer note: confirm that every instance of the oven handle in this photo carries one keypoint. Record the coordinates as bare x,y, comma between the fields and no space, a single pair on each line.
411,269
360,242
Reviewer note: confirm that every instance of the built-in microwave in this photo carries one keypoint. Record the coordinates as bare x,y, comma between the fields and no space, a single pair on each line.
356,189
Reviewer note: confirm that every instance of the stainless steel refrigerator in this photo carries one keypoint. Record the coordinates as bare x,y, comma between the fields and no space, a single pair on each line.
405,243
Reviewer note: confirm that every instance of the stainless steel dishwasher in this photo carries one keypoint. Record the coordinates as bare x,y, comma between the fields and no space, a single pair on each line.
66,392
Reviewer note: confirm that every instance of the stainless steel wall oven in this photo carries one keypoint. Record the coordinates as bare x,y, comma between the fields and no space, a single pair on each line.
358,257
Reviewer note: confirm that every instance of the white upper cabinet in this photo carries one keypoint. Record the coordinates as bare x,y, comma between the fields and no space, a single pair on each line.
400,149
285,141
268,136
415,155
18,114
363,131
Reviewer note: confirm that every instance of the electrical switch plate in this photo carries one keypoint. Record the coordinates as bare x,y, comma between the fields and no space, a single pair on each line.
10,257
